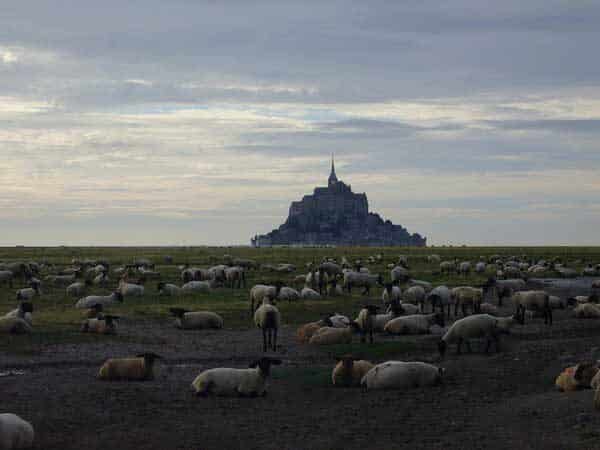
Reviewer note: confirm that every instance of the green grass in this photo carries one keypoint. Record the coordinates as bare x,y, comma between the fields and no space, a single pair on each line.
56,321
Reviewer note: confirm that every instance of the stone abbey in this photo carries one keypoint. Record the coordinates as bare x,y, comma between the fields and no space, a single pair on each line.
334,215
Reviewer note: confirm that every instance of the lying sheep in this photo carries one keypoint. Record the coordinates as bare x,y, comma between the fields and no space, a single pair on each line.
474,327
196,320
105,300
414,324
100,325
587,311
349,372
330,335
306,331
140,368
168,289
268,318
402,375
249,382
15,433
467,297
196,286
61,280
14,325
24,311
130,289
78,289
535,301
309,294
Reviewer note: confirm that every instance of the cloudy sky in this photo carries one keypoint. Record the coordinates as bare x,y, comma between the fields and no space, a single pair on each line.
190,122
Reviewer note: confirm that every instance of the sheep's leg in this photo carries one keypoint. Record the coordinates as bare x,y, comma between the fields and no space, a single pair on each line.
363,337
275,339
264,340
371,335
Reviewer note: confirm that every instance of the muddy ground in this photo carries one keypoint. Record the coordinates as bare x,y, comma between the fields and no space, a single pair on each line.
504,400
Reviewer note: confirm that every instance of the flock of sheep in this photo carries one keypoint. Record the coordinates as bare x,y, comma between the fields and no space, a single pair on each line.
408,307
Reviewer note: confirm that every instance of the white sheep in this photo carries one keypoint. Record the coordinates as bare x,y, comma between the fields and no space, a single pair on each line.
402,375
235,276
441,297
329,335
474,327
503,288
268,318
28,294
249,382
24,311
464,268
78,288
339,321
6,276
364,280
414,324
260,291
140,368
465,297
395,309
533,300
15,433
196,320
100,325
197,286
349,372
399,274
105,300
288,293
130,289
366,322
480,267
390,293
168,289
14,325
309,294
587,311
447,267
414,295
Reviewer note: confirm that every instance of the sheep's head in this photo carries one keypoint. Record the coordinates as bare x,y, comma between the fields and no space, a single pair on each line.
149,358
177,312
584,373
264,364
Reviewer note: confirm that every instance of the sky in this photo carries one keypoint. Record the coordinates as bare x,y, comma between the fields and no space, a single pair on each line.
198,123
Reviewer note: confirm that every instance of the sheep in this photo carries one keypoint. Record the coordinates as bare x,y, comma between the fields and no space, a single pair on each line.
95,311
27,294
100,325
196,286
365,322
580,299
14,325
139,368
15,433
587,311
414,295
330,268
447,267
441,297
306,331
426,285
330,335
249,382
149,274
433,258
390,293
268,318
403,260
409,309
476,326
288,293
196,320
380,320
245,263
414,324
488,308
78,289
168,290
464,268
339,321
503,288
466,297
217,272
585,372
6,276
105,300
61,280
365,280
24,311
399,274
260,291
402,375
349,372
194,274
309,294
235,276
130,289
480,267
533,300
557,302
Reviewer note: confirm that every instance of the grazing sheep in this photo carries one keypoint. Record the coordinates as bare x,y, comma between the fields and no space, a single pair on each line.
195,274
503,288
309,294
249,382
474,327
390,293
168,290
349,372
245,263
105,300
414,324
235,277
78,289
6,277
196,320
24,311
402,375
441,297
100,325
330,335
140,368
260,291
399,274
433,258
465,297
130,289
268,318
533,300
15,433
587,311
306,331
365,322
415,295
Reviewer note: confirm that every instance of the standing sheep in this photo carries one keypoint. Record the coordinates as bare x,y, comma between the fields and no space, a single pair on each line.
249,382
260,291
366,322
15,433
441,297
268,318
533,300
465,297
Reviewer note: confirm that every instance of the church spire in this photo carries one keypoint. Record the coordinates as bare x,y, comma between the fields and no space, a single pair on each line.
332,177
